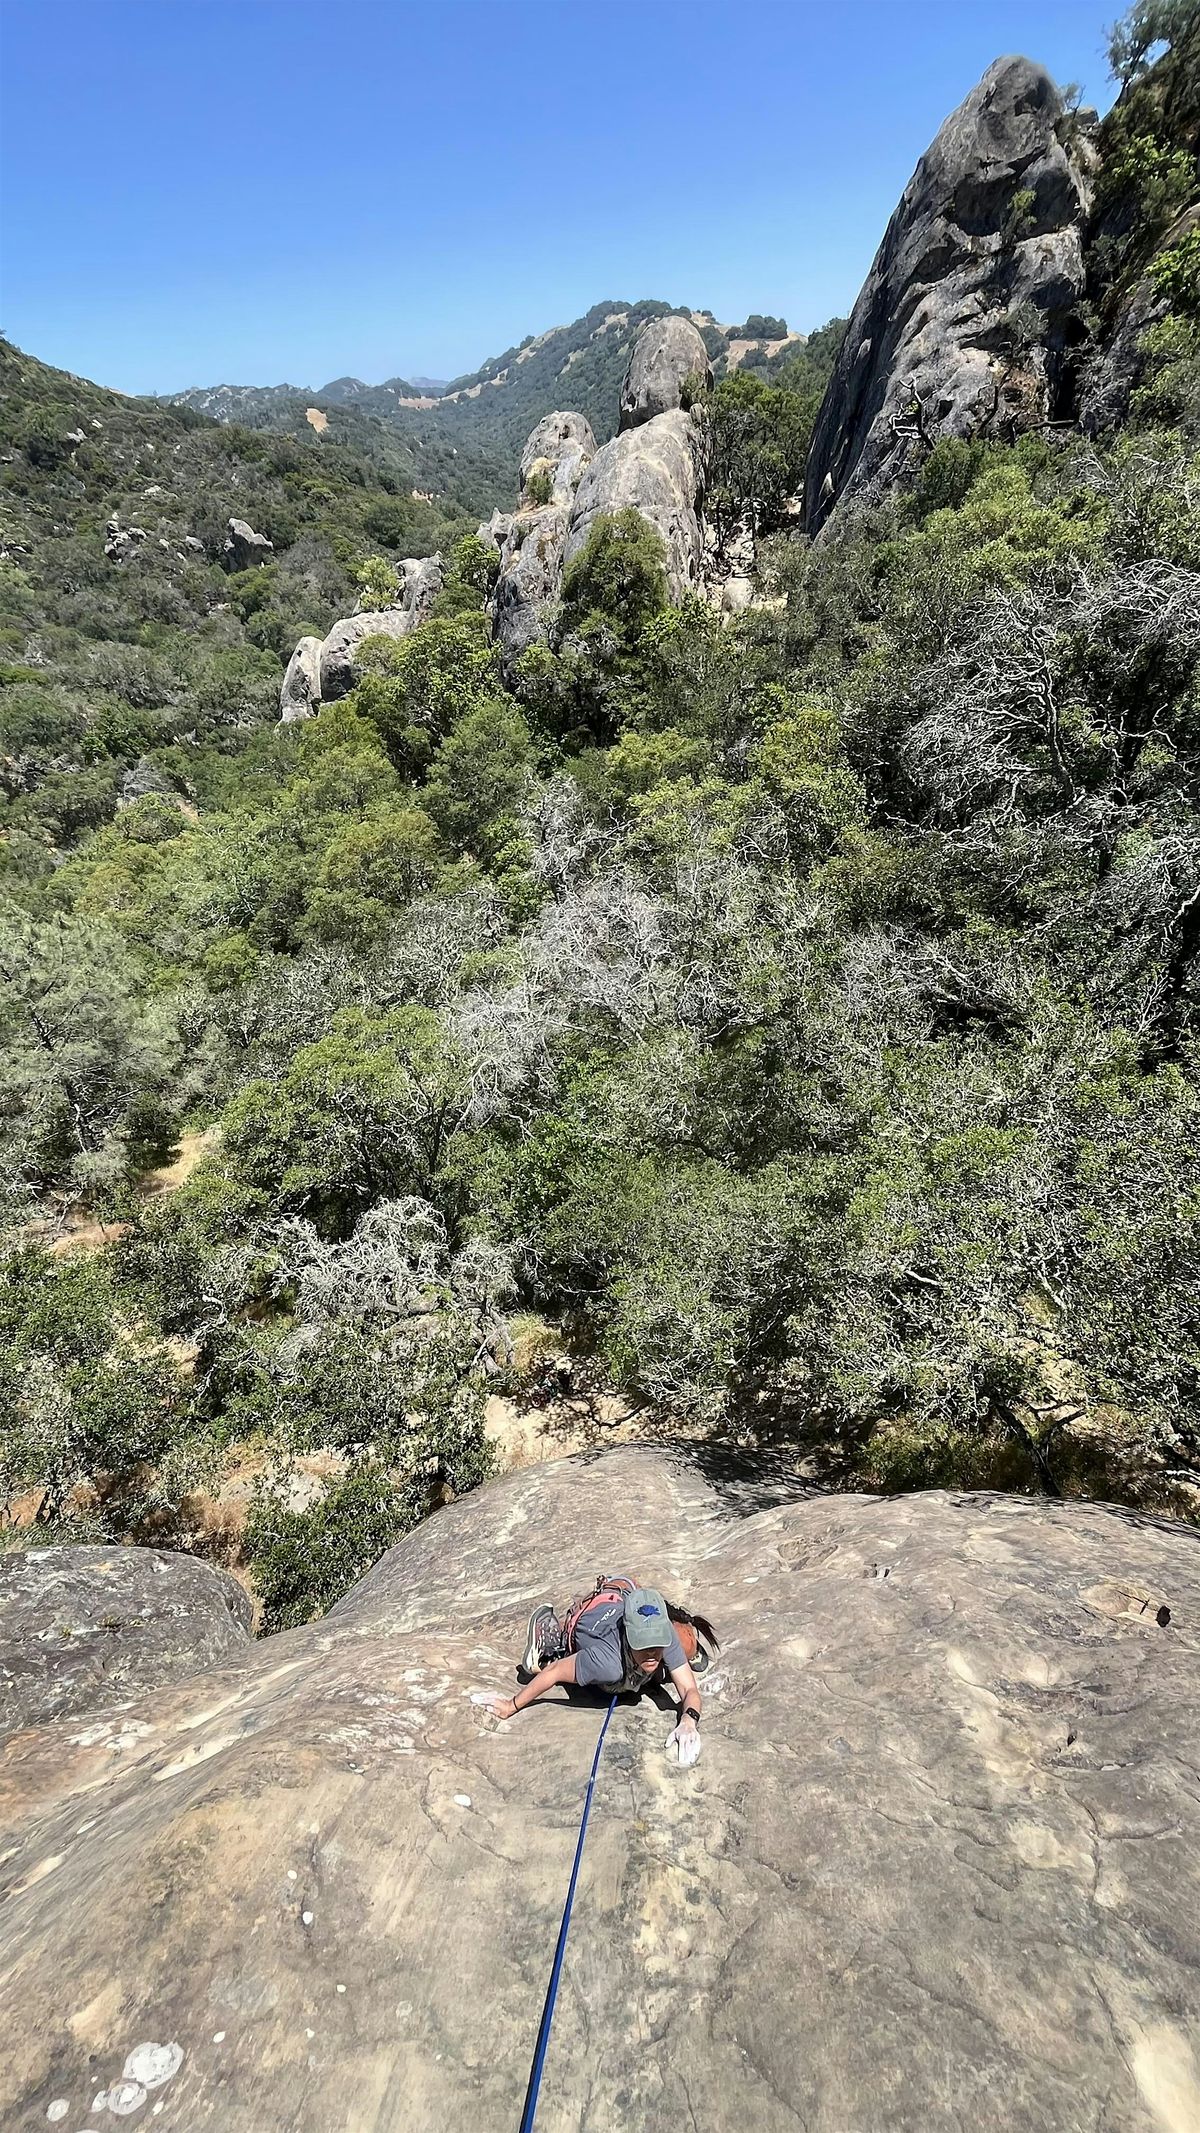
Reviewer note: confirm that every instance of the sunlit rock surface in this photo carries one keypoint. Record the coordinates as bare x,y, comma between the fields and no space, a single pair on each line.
965,321
938,1866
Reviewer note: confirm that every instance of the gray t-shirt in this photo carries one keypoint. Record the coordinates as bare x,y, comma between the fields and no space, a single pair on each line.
600,1650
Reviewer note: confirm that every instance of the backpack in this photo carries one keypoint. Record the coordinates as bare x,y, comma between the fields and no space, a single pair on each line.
605,1591
608,1589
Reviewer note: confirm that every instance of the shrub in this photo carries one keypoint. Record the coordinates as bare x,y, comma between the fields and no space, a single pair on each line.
304,1560
620,573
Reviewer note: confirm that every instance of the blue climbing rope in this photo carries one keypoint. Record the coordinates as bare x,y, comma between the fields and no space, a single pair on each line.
539,2056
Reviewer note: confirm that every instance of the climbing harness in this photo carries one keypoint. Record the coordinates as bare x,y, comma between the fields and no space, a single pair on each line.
543,2038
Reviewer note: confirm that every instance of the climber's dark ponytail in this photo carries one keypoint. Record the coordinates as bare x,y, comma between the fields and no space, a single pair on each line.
700,1623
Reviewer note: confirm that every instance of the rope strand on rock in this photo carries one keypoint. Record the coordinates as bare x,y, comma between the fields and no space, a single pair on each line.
543,2038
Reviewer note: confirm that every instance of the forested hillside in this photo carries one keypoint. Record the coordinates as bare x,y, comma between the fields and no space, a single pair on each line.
465,443
794,1012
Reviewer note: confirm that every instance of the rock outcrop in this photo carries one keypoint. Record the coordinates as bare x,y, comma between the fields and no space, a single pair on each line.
965,323
120,542
1116,374
658,468
938,1865
495,530
85,1629
527,589
322,670
656,464
300,696
139,781
667,351
243,548
339,668
558,449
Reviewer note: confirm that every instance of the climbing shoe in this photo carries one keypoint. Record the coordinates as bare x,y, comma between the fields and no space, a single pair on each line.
541,1644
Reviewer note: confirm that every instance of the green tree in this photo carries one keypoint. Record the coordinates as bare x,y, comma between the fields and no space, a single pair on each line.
619,574
481,779
89,1410
760,436
416,688
378,582
368,1112
85,1079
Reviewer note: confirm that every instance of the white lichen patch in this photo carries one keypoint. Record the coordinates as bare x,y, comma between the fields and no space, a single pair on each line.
125,2097
41,1872
152,2064
191,1756
106,1733
58,2109
434,1693
462,1799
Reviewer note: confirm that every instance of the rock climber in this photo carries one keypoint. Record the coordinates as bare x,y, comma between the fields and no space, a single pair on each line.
623,1637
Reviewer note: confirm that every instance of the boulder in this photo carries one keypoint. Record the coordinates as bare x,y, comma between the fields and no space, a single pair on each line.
530,579
658,468
121,541
420,584
193,541
243,548
82,1629
495,530
338,670
559,448
967,319
300,696
938,1865
1115,375
139,781
422,578
667,351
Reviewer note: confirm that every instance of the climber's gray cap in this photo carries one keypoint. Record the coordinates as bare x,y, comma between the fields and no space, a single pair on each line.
647,1623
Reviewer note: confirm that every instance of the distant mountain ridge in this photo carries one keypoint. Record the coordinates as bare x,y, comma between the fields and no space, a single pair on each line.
490,411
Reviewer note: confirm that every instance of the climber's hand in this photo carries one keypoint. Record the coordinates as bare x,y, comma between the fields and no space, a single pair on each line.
499,1706
685,1739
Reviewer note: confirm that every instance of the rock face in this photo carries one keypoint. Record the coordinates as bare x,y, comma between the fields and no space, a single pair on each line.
530,578
84,1629
338,669
244,549
667,351
657,468
558,449
938,1865
139,781
965,321
421,582
300,696
531,540
1112,382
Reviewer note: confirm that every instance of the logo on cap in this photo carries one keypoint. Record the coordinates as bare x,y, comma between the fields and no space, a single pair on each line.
647,1610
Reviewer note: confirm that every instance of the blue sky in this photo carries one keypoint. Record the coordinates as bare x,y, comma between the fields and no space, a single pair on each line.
250,191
